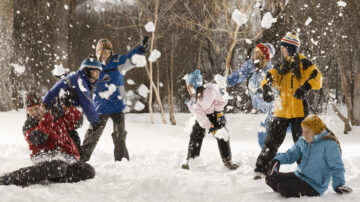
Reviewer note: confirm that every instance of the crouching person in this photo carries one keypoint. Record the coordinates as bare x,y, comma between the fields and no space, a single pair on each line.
53,152
320,152
207,102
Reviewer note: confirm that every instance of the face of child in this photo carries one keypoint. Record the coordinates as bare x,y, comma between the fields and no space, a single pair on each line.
259,59
308,134
94,75
105,56
190,89
284,51
37,111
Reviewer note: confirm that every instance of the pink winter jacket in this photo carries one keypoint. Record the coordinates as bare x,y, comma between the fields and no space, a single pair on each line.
211,101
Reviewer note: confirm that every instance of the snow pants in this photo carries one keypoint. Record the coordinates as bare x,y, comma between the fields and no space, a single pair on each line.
93,135
288,185
274,139
196,138
57,171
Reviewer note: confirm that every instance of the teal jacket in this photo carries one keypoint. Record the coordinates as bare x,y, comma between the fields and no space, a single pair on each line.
320,161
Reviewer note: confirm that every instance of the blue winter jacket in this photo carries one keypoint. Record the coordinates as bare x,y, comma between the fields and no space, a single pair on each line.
255,76
109,97
82,85
320,161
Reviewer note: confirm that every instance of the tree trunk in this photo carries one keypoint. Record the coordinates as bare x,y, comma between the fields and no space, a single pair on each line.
6,50
356,98
171,85
231,49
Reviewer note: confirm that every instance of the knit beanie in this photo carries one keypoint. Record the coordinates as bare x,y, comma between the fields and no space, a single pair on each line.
266,49
291,42
315,123
101,45
195,79
32,99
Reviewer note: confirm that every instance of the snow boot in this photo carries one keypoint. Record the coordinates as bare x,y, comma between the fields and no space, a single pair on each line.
185,165
229,164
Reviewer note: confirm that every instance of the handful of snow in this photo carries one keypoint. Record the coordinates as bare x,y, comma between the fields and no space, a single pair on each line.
150,27
239,17
155,54
267,20
220,80
138,60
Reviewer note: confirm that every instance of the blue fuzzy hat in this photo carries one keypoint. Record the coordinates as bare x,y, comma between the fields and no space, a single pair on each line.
195,79
91,63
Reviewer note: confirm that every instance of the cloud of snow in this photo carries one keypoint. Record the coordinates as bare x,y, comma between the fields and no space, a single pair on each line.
139,106
150,27
18,68
155,54
138,60
143,90
59,70
308,21
239,17
109,92
267,20
81,85
341,3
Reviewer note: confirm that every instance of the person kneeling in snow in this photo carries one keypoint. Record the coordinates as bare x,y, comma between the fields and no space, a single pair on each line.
207,103
254,70
74,90
54,153
320,153
110,98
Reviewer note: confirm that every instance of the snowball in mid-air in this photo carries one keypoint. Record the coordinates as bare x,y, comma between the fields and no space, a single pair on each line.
109,92
220,80
308,21
143,90
150,27
18,68
59,70
239,17
130,82
267,20
341,3
155,54
139,106
138,60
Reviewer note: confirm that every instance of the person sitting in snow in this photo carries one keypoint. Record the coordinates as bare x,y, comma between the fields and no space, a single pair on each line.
53,152
293,78
254,70
74,90
207,101
320,153
109,98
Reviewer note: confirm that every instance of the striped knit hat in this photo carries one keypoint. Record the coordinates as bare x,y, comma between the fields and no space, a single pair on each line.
101,45
291,42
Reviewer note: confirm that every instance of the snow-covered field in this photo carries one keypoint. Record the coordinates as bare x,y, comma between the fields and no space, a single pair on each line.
154,172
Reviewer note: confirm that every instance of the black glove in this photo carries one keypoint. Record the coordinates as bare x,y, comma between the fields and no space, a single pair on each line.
55,110
145,44
274,165
268,94
343,190
300,92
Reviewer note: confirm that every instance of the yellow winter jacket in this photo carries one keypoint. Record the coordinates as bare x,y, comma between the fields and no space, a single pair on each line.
286,105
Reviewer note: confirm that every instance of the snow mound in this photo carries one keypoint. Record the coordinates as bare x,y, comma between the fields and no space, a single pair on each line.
155,54
139,106
267,20
239,17
143,90
138,60
18,68
150,27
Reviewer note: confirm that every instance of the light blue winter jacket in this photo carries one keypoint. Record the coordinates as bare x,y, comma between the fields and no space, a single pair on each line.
320,161
255,76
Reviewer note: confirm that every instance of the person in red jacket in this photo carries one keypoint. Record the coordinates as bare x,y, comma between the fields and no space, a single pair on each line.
53,152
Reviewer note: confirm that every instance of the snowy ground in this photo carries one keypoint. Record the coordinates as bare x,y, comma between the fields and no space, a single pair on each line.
154,173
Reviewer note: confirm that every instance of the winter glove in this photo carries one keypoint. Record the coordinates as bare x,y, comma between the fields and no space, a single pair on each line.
274,165
300,92
343,190
268,94
145,45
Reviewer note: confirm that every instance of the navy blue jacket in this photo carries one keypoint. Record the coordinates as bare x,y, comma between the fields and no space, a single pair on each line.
79,91
320,161
110,95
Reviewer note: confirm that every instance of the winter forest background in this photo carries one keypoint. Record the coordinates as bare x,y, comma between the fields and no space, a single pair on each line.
38,36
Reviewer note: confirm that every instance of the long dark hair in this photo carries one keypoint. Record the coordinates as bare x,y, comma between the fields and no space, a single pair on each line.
198,93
